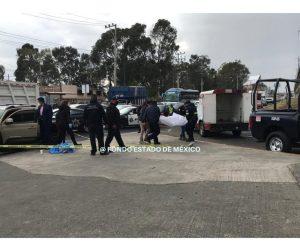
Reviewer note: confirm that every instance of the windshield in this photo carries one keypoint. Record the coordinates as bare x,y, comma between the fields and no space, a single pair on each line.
171,97
2,110
189,96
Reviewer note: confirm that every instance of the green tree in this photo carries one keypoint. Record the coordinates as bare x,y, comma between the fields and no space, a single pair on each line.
86,71
136,57
28,67
232,74
2,72
67,63
102,55
49,72
199,70
164,39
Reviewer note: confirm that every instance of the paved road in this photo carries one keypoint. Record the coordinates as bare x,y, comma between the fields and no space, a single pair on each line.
57,206
224,191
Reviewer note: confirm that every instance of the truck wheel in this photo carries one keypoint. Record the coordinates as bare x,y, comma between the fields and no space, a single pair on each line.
278,142
202,131
236,133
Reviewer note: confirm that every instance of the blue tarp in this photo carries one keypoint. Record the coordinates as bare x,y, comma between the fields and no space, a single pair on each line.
62,148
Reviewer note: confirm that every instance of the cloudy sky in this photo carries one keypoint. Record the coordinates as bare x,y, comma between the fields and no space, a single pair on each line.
267,43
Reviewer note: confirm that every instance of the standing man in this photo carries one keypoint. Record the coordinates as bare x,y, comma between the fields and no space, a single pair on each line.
93,116
192,120
113,125
44,117
152,115
64,123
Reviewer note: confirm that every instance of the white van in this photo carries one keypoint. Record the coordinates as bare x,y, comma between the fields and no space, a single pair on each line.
223,110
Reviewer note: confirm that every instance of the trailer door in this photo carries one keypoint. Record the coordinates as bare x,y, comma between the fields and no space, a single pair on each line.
209,108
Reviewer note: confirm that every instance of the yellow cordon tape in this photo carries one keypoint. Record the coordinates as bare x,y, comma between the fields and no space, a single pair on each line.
73,146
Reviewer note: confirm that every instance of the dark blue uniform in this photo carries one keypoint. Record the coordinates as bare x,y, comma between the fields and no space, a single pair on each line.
191,117
93,116
114,124
45,122
152,115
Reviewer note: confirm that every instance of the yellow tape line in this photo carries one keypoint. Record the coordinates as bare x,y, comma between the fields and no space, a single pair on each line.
73,146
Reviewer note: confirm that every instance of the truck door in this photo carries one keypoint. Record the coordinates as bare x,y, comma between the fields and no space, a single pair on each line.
23,128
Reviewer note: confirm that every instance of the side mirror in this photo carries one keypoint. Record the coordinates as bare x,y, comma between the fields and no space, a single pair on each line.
9,121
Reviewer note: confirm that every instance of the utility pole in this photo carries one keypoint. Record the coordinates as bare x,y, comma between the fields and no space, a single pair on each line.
110,26
179,59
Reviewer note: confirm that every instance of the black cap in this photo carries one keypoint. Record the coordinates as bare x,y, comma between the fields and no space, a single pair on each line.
41,99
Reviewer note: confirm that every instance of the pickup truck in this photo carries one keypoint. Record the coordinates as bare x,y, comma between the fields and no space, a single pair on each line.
278,127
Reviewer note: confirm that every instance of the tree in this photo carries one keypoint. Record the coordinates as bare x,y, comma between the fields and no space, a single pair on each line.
28,67
232,74
67,63
164,39
199,70
49,71
86,71
136,56
102,55
2,72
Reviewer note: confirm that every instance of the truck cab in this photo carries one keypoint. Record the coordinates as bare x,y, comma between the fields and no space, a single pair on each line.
278,123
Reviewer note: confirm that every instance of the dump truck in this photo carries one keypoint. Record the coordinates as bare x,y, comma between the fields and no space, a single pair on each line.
18,93
223,110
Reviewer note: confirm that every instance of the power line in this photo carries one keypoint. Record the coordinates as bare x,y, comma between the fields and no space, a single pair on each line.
41,43
72,20
63,21
75,15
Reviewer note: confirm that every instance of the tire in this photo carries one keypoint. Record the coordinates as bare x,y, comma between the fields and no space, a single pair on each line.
236,133
278,142
202,131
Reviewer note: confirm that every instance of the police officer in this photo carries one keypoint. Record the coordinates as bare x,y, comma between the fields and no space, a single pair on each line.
93,116
191,117
152,115
44,116
113,125
64,123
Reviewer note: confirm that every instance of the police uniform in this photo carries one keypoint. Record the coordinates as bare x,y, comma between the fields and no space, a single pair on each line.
114,124
94,115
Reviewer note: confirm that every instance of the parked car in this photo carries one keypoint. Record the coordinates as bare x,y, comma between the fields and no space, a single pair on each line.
18,124
78,106
129,116
76,118
278,125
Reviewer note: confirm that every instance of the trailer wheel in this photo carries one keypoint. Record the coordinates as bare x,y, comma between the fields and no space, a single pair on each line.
278,142
202,131
236,133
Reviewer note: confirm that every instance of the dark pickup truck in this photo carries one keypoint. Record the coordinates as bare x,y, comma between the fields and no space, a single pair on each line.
279,127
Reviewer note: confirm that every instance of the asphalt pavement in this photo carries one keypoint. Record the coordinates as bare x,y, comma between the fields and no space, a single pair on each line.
226,190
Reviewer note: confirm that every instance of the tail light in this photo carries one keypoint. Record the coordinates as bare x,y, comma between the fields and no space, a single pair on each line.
251,122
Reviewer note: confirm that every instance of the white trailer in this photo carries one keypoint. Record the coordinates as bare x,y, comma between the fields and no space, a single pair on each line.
223,110
18,93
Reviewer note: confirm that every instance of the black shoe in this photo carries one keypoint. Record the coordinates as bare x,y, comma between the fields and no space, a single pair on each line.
156,143
104,153
93,153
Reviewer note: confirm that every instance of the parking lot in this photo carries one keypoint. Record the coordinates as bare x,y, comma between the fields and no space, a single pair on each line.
232,188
